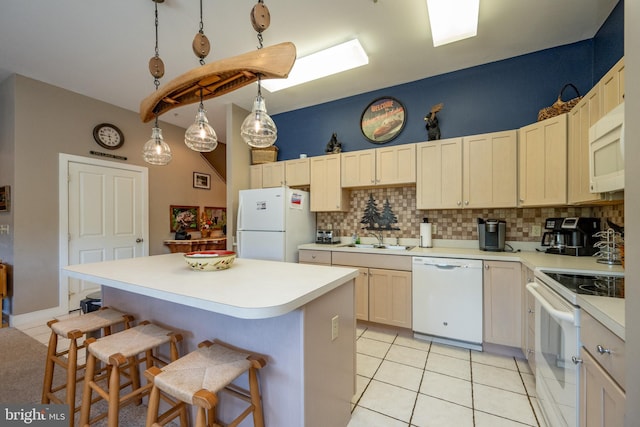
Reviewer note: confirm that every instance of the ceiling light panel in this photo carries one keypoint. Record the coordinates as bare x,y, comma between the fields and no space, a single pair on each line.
452,20
333,60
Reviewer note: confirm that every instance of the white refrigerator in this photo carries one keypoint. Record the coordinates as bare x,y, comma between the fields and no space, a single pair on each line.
272,222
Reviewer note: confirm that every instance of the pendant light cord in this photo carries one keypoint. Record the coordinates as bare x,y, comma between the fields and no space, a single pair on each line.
156,81
201,31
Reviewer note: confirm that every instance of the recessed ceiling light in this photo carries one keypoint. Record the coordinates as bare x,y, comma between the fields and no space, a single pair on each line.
452,20
330,61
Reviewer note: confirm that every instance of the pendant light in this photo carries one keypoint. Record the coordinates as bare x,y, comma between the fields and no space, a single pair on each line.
200,136
258,129
155,150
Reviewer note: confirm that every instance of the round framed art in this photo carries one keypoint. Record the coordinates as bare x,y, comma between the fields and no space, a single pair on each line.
383,120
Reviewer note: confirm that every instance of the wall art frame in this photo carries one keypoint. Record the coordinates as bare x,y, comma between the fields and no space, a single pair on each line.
383,120
187,216
5,198
202,180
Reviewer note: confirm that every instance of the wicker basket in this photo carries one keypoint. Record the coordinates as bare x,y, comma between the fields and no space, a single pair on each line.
560,106
264,155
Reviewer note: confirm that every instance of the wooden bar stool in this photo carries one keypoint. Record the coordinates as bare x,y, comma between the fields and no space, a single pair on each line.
197,378
123,353
74,329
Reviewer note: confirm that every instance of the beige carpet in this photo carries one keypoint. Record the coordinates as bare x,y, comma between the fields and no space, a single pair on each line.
22,371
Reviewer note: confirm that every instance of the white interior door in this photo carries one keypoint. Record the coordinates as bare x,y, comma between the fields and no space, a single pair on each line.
106,219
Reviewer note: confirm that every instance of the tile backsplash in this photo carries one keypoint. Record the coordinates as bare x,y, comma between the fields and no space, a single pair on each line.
454,224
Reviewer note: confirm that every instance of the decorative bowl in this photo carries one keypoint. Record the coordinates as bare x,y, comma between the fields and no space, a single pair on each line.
210,260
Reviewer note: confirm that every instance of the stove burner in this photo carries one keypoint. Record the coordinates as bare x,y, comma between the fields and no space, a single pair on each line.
607,286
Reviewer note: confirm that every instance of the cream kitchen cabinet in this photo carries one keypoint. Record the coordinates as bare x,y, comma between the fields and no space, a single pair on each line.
327,194
542,166
439,174
490,170
502,303
602,384
478,171
581,118
611,87
383,293
307,256
528,326
292,173
381,166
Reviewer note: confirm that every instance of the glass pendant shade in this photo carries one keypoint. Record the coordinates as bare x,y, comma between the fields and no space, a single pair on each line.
200,136
258,129
156,151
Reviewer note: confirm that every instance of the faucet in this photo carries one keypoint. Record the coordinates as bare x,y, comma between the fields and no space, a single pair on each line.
377,236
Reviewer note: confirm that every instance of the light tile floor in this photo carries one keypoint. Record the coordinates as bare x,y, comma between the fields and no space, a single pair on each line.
402,382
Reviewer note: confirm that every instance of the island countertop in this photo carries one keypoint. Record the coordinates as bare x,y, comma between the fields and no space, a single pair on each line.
250,289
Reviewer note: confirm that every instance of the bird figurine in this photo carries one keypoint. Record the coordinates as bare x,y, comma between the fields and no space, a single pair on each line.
432,126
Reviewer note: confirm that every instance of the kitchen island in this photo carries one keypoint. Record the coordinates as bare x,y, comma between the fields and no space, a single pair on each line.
283,310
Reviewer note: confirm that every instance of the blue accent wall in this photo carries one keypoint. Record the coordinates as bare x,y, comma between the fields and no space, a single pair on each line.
497,96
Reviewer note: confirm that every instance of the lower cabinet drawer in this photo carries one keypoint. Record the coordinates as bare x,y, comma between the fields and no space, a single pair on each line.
314,257
605,347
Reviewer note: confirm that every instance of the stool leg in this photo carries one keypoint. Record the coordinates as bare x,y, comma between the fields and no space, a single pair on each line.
134,373
85,409
114,397
258,417
72,369
48,368
201,417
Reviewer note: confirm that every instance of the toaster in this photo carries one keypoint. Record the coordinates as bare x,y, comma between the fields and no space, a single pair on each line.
327,236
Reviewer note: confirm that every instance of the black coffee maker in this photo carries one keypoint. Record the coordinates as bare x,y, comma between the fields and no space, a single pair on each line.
555,237
491,234
571,236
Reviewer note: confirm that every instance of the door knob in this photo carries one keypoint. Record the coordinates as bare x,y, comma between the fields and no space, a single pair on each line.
139,240
576,360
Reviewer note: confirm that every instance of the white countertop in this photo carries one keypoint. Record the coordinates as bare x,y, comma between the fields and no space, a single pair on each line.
608,311
250,289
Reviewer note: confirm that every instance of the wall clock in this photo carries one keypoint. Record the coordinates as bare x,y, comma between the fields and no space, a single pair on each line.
383,120
108,136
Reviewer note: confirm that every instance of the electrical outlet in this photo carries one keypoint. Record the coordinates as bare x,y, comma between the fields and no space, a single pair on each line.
536,231
434,228
335,322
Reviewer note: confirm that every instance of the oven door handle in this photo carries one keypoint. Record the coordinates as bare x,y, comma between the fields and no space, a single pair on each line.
558,314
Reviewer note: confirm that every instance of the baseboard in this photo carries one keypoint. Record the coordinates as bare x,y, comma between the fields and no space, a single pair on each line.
35,318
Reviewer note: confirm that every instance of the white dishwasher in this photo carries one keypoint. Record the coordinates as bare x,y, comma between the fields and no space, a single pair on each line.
447,301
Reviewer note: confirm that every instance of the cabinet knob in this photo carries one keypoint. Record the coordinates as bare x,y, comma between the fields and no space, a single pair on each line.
486,266
466,202
600,349
521,200
459,203
313,257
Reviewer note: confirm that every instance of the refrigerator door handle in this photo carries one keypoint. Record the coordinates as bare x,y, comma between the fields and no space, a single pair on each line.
239,225
238,240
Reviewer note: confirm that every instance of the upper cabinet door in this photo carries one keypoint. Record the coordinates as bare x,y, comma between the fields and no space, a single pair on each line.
490,170
612,87
543,163
439,174
297,172
358,168
396,165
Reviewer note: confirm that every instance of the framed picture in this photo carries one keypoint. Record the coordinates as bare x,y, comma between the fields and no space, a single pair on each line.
5,198
202,180
217,217
383,120
185,216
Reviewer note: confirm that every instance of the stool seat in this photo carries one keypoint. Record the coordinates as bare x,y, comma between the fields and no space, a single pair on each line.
199,376
130,342
210,368
89,322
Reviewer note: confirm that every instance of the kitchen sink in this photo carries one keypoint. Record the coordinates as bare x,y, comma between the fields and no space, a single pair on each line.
372,246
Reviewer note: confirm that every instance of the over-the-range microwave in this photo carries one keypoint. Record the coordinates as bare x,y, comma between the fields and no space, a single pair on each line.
606,152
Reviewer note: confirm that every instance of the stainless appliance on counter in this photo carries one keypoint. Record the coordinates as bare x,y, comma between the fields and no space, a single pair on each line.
447,301
491,234
571,236
327,236
557,338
